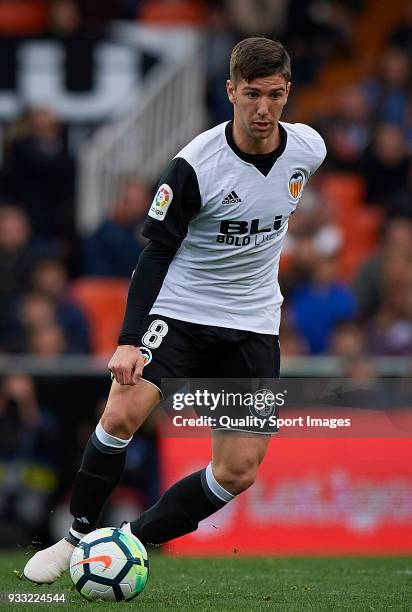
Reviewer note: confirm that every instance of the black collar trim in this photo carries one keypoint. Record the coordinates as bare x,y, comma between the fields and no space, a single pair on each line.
256,158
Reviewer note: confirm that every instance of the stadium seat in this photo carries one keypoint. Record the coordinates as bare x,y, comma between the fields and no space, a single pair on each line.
103,302
22,17
359,222
345,192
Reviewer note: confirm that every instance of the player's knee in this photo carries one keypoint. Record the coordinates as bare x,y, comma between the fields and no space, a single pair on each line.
117,421
235,479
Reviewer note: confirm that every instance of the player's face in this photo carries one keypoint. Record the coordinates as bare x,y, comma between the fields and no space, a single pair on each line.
258,105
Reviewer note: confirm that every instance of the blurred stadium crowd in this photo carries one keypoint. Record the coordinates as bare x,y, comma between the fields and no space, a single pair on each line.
346,272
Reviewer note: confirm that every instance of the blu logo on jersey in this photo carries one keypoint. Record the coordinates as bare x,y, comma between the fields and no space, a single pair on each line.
239,233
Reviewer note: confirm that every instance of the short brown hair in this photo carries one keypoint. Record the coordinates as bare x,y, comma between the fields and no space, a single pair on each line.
257,57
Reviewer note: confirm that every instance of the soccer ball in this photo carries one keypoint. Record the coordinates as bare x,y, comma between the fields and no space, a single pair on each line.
109,564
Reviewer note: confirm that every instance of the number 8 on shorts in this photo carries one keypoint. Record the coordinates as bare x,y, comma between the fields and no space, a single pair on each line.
156,332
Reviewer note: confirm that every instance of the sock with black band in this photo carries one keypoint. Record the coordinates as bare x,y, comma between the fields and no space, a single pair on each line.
181,508
102,466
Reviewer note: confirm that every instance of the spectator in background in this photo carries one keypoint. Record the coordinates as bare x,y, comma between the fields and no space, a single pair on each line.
64,19
41,176
49,277
390,262
247,17
315,219
66,25
17,256
316,31
43,322
347,131
312,231
347,340
320,304
388,93
387,170
47,341
390,331
34,315
300,253
18,394
81,18
220,41
27,458
113,250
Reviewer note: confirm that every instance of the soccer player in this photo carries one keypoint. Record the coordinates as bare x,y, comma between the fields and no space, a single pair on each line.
204,299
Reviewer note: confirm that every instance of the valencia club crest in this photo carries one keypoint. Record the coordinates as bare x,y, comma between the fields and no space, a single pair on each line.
296,183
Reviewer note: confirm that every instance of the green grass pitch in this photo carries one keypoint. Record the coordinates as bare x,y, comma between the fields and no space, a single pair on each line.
238,583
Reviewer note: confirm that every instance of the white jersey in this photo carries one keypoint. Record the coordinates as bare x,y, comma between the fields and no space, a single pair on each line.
230,220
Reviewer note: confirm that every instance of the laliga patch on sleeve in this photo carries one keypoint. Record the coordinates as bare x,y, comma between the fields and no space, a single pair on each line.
161,202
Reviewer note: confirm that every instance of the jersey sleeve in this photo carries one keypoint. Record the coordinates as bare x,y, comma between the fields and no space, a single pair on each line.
319,156
310,143
147,279
176,201
317,149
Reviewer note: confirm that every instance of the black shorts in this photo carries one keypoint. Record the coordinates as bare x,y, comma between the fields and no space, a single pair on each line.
179,349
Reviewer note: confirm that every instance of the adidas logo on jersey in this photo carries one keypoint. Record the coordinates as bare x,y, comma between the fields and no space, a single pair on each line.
231,198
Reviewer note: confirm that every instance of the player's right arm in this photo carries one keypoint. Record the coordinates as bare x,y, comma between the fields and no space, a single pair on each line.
127,362
166,232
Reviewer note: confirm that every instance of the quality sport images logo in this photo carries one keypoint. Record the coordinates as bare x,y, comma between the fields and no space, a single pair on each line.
161,202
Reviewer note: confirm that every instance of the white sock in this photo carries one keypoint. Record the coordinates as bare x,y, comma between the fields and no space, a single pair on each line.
215,487
76,534
112,442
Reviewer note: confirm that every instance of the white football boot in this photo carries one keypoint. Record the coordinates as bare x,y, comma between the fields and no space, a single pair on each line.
48,565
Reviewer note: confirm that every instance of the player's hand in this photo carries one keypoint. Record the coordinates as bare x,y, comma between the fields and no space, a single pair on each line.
127,364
